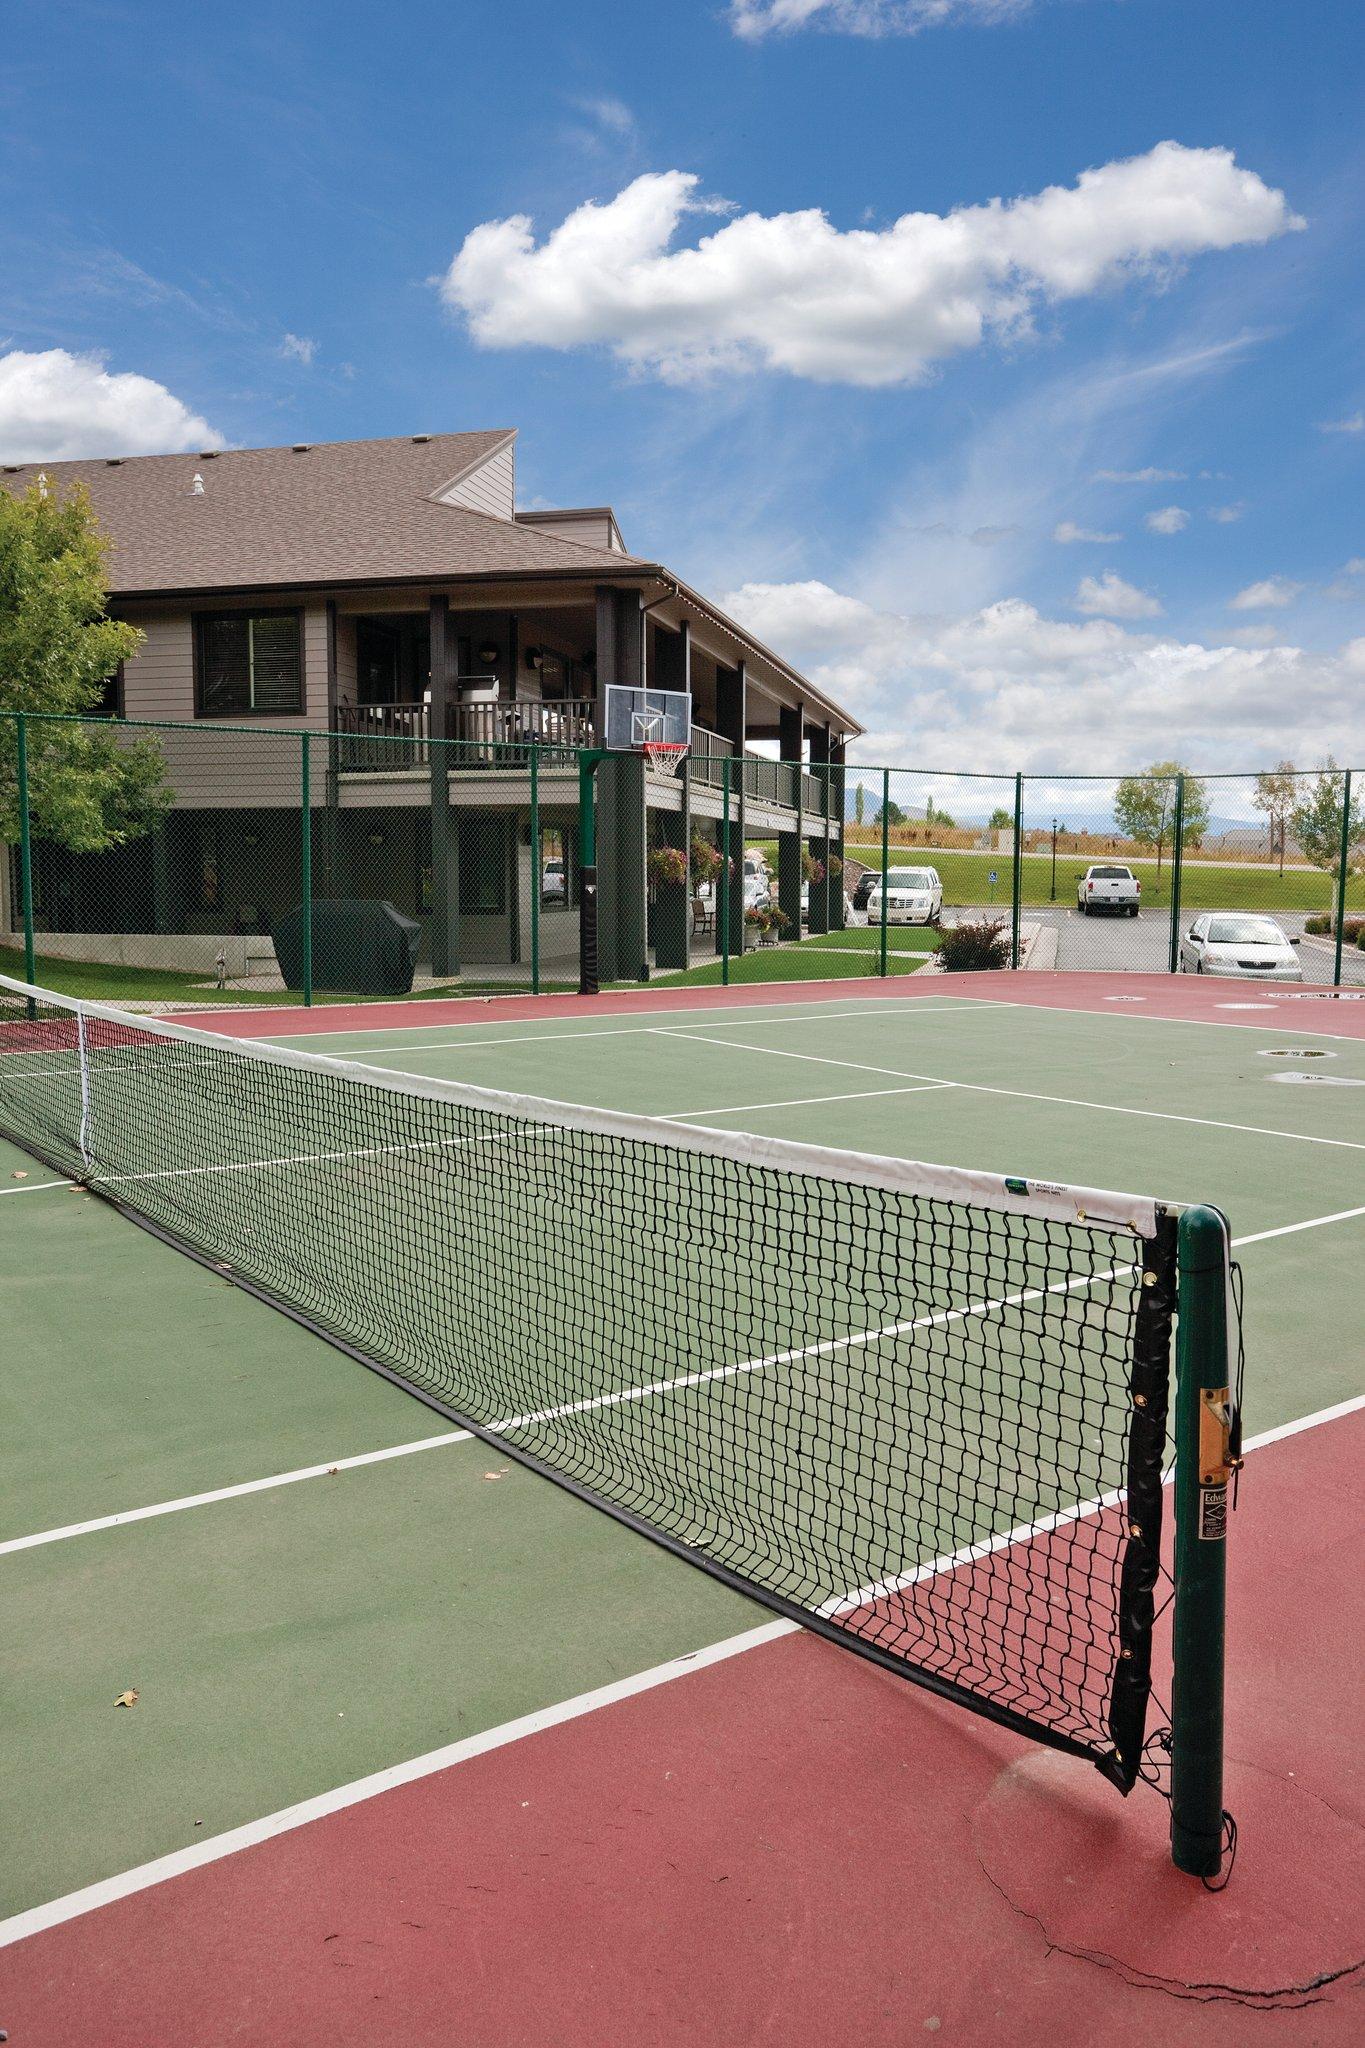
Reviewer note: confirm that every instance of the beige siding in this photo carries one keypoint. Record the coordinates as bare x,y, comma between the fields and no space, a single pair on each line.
590,529
490,487
159,681
346,660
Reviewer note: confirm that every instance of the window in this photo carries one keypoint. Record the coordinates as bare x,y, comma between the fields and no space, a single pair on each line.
483,866
248,664
109,703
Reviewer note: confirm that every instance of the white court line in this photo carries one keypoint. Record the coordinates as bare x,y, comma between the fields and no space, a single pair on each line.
55,1912
645,1030
36,1187
506,1425
1024,1094
787,1013
682,1116
249,1486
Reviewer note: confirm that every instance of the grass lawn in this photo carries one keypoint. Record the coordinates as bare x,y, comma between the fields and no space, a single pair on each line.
1204,886
98,981
829,956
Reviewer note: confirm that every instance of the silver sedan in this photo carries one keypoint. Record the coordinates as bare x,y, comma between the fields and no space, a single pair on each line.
1246,947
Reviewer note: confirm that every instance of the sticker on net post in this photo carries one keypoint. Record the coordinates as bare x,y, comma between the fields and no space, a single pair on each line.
1213,1514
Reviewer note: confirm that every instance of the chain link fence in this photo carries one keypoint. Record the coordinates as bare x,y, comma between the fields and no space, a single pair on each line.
197,864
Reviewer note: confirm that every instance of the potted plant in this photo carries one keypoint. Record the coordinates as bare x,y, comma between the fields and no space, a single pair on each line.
667,866
778,922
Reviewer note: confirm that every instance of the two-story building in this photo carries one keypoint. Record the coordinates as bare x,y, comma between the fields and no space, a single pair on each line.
389,593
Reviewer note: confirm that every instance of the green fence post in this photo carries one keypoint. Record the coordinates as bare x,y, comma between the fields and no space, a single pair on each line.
306,873
25,848
886,858
587,873
1017,874
1177,872
1203,1430
723,880
536,871
1342,867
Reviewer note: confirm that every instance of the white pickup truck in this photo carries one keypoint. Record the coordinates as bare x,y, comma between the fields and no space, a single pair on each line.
1108,888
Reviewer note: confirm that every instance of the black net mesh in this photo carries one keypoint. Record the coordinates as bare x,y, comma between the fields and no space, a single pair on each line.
913,1420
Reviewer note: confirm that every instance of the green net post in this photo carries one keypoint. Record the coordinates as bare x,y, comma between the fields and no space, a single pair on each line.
536,871
1343,868
1177,871
306,870
886,862
26,848
1017,870
723,879
587,872
1203,1462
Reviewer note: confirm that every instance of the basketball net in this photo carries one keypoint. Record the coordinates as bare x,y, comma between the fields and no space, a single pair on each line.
663,756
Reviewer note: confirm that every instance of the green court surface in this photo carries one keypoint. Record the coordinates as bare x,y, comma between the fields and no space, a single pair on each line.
295,1637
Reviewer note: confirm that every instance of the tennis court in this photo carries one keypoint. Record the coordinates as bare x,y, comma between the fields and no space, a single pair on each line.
424,1743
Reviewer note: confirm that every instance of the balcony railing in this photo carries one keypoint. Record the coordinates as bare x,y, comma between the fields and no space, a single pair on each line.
380,739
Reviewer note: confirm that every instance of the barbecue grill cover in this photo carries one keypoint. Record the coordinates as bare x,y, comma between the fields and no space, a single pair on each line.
360,945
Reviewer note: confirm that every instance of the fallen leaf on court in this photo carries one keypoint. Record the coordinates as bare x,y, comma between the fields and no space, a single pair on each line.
19,1176
498,1475
127,1699
332,1471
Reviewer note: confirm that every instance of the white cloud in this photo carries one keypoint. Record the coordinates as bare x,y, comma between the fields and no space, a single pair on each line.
1140,476
871,307
1264,635
609,113
754,19
1226,515
1005,687
1272,594
1109,597
1353,424
1066,531
1346,586
1170,519
298,348
55,406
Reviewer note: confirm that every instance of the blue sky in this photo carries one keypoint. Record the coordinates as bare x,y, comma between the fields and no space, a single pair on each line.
881,444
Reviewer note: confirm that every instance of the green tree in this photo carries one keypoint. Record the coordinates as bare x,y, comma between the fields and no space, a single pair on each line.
934,816
1276,793
1001,819
893,813
859,801
1144,808
1316,821
90,786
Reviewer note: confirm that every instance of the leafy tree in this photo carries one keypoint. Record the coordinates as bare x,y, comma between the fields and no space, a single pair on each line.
90,786
1316,821
1277,792
934,816
1144,808
859,800
893,813
1001,819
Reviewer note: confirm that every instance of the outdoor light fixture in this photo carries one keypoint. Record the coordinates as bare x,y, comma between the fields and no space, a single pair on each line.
535,657
488,653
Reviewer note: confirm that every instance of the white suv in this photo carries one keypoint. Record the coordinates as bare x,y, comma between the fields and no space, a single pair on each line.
913,896
1108,888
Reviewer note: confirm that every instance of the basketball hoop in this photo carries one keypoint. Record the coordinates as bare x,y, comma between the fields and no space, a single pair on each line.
664,756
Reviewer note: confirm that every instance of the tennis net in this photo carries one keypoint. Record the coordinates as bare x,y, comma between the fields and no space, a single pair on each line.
919,1410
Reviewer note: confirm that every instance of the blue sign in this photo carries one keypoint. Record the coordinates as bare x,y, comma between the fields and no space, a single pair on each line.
994,878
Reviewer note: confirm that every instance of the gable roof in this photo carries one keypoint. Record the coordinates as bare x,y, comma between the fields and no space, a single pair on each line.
329,512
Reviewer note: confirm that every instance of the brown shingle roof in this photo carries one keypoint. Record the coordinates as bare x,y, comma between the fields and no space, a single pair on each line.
341,512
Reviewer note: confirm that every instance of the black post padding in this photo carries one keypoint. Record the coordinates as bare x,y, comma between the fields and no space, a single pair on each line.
1149,1391
587,931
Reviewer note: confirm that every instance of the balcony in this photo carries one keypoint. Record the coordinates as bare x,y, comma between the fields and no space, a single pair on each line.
391,739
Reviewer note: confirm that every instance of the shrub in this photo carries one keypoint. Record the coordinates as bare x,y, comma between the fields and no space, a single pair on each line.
1319,924
967,948
667,866
1360,940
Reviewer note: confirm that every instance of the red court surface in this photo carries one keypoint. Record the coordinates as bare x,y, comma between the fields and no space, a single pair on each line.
792,1847
1340,1012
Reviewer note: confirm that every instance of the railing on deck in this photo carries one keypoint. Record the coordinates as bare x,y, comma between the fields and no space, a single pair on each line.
390,738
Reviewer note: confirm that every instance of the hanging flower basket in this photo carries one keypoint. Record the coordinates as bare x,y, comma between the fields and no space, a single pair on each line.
667,866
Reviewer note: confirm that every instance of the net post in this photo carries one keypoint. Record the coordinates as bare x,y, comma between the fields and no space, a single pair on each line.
587,871
25,850
1017,869
723,879
1177,872
536,871
1343,866
886,864
1203,1461
306,869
